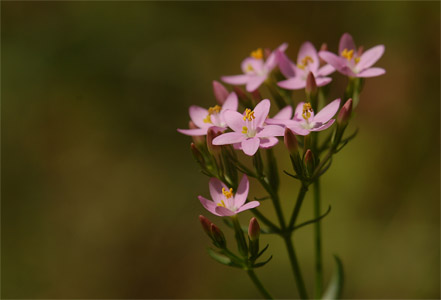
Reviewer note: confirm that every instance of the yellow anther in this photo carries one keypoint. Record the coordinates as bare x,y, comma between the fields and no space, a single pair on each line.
244,130
211,111
357,59
304,62
227,193
249,115
307,109
250,68
221,204
347,54
257,54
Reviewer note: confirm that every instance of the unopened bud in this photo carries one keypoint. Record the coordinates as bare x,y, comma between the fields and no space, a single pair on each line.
323,47
220,92
256,95
311,85
291,141
254,229
211,134
309,161
218,236
360,51
197,139
345,113
206,225
197,154
266,53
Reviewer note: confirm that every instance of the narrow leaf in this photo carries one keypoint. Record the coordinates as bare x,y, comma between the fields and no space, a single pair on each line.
335,286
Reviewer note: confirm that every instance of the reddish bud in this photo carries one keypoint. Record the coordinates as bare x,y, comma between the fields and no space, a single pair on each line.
311,85
266,53
360,51
309,160
211,134
240,93
197,154
323,47
197,139
206,225
345,113
254,229
218,236
291,141
220,92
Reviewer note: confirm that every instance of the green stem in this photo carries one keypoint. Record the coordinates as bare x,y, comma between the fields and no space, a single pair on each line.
295,267
298,205
276,201
258,284
318,243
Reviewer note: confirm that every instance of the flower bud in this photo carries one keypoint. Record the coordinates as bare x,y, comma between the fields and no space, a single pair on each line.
254,229
309,161
242,96
206,225
360,51
345,113
311,85
218,236
197,154
197,139
211,134
323,47
266,53
256,96
220,92
291,141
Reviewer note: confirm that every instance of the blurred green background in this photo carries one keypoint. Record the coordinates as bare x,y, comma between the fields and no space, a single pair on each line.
99,190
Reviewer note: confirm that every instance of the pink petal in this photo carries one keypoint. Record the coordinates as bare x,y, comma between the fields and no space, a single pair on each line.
224,212
209,205
235,79
268,142
284,113
299,111
249,205
271,130
321,81
242,192
346,42
229,138
197,115
370,57
261,112
271,61
215,186
250,146
254,82
294,83
335,61
237,146
297,129
231,102
327,112
194,132
220,92
308,49
256,65
325,70
325,126
371,72
234,120
285,65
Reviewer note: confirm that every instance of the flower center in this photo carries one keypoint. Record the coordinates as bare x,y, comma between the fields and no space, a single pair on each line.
304,62
227,193
347,54
307,110
211,111
257,54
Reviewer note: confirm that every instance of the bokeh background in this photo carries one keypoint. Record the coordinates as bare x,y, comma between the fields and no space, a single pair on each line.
99,190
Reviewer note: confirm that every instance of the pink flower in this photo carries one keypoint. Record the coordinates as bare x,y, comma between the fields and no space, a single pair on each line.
205,119
250,129
307,61
224,202
255,69
354,63
305,121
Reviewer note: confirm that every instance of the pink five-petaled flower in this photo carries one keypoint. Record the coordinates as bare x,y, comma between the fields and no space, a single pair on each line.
250,129
255,69
204,119
225,203
305,121
353,63
307,61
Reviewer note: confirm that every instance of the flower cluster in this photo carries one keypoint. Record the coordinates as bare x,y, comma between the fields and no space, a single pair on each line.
242,120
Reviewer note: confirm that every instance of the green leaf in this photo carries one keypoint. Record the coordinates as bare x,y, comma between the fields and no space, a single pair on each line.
335,286
219,257
261,264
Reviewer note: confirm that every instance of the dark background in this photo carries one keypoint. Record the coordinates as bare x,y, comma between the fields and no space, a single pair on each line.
99,190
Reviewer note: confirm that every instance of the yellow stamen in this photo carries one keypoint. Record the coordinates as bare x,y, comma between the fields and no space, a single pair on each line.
347,54
244,130
221,204
257,54
249,115
304,62
211,111
357,59
227,193
250,68
307,109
